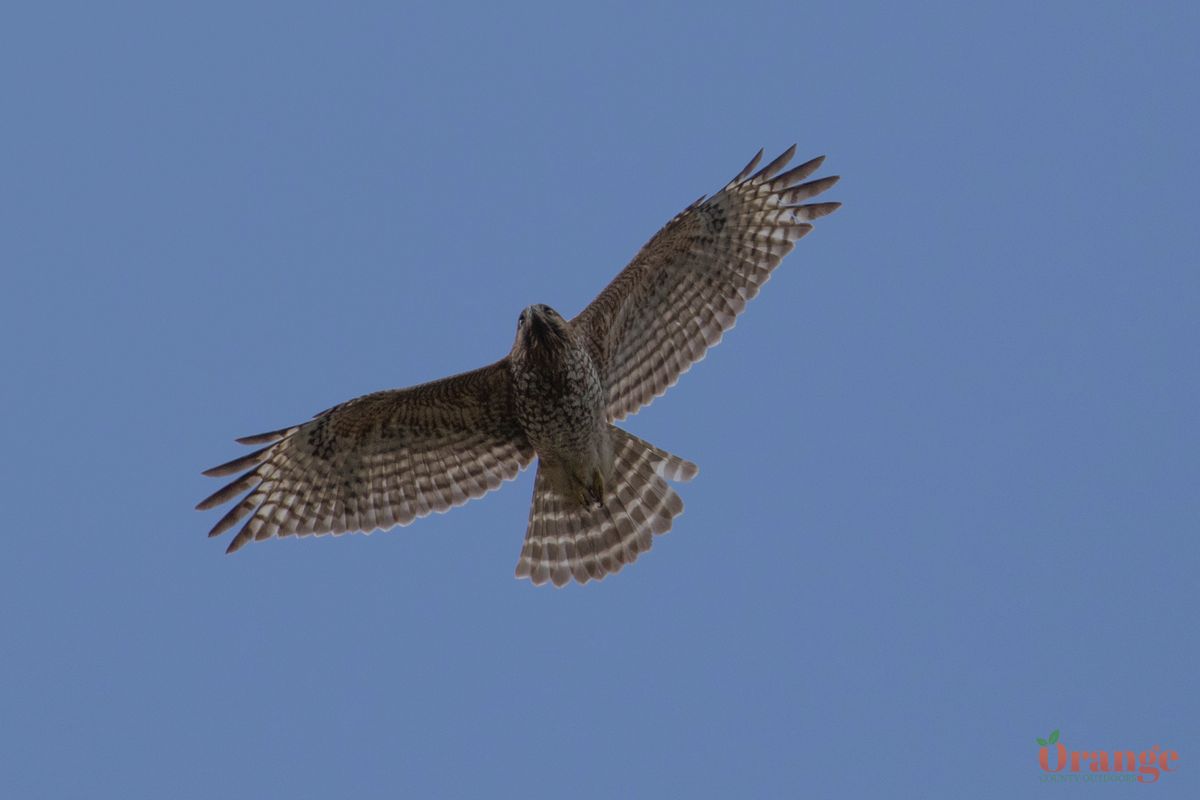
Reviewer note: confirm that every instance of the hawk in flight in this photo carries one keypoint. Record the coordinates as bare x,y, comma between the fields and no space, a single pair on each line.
600,493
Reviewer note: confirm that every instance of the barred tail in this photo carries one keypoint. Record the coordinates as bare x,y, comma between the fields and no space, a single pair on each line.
565,540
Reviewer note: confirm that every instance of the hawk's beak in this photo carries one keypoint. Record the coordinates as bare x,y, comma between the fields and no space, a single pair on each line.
538,327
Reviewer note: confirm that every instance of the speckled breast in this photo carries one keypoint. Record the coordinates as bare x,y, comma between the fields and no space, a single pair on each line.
559,399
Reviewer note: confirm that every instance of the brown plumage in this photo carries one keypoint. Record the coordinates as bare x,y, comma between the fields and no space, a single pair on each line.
600,493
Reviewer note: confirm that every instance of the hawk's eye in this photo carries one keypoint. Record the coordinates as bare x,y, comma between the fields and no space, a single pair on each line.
521,319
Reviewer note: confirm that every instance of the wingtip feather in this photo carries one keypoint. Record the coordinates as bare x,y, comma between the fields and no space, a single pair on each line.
798,173
816,210
266,438
779,162
746,170
238,464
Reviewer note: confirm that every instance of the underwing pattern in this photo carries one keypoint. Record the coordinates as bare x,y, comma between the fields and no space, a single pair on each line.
600,494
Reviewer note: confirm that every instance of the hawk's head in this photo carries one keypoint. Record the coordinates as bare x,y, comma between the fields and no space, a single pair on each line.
540,327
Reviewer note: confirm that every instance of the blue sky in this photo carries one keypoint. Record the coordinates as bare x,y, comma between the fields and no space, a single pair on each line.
948,493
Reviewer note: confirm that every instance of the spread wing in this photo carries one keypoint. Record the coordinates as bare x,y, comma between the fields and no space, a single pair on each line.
687,285
379,460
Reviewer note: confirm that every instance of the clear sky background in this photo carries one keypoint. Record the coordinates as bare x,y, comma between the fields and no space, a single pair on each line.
948,498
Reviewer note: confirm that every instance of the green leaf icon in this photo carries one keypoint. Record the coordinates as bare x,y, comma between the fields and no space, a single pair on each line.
1054,736
1041,741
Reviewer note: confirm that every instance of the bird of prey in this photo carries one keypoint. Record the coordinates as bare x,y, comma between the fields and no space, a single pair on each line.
600,493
